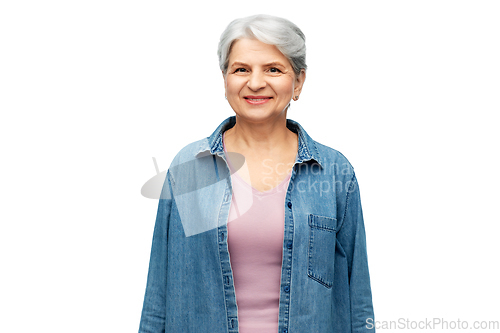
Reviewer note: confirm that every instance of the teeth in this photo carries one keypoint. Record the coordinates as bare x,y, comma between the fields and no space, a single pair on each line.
257,99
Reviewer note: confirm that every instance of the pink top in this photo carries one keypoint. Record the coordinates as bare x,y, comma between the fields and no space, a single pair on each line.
255,241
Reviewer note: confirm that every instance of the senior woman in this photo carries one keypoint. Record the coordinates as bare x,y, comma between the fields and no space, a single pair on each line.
259,227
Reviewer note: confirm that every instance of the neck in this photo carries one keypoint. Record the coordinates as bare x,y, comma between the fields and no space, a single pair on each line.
264,137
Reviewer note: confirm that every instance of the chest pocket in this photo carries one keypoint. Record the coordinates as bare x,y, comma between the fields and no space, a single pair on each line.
321,252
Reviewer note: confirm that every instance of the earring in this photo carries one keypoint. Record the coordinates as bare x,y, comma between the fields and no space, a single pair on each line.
296,98
225,97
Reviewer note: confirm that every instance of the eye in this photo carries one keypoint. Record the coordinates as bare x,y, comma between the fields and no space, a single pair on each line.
274,70
240,70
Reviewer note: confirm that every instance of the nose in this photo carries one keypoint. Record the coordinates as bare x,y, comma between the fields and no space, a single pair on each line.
256,81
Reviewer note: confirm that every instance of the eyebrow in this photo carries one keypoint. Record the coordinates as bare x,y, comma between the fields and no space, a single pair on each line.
274,63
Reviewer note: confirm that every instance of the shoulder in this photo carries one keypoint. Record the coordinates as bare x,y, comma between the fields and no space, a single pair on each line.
190,151
334,161
189,160
330,159
203,147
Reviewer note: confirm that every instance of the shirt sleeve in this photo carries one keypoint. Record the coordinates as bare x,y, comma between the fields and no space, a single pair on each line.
154,307
353,234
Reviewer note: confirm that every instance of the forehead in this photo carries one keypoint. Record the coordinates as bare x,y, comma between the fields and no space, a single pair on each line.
254,51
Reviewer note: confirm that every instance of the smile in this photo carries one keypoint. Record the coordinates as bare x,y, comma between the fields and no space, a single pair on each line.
255,100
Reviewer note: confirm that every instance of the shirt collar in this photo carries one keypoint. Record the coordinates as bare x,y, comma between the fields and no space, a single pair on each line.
307,146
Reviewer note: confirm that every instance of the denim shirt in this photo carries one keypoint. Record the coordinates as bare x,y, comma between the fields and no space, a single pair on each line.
325,284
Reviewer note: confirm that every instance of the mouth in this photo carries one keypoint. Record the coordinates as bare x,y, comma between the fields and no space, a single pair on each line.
255,100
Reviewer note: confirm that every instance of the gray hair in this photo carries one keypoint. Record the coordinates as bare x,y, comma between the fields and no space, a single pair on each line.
277,31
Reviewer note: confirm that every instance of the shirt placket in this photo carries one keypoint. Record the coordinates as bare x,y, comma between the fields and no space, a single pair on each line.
227,273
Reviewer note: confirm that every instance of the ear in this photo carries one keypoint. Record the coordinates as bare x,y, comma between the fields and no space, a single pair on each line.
299,82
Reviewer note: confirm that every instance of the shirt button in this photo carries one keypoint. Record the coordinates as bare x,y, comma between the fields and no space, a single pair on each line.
289,244
285,330
286,289
289,204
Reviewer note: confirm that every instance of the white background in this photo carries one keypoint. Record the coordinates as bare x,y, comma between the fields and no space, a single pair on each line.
90,91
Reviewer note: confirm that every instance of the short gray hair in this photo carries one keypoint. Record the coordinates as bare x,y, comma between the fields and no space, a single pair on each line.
277,31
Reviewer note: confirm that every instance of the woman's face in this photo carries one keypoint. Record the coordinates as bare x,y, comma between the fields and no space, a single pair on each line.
260,81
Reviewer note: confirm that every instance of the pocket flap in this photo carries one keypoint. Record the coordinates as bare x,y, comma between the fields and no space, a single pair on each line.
323,222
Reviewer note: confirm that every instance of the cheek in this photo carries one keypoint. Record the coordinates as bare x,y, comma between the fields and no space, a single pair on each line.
233,85
284,87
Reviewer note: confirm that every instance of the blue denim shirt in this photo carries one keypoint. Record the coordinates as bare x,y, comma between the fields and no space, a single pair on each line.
325,284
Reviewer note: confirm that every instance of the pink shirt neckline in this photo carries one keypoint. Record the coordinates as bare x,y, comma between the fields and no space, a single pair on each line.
254,190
